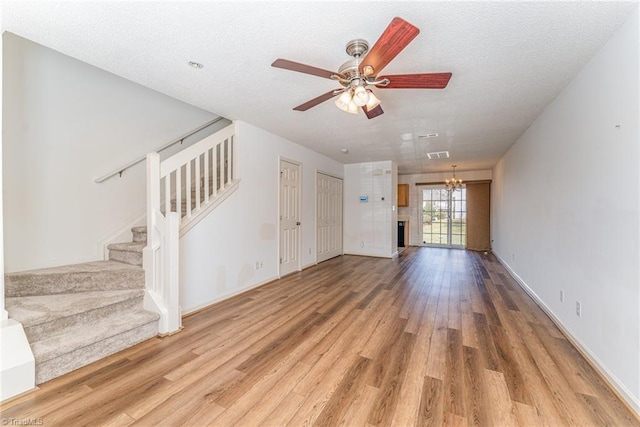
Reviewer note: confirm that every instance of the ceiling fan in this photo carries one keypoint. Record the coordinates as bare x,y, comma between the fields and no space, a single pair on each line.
363,71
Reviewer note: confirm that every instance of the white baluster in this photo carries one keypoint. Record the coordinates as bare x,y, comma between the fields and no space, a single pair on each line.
179,191
187,187
206,176
228,157
215,170
167,194
197,177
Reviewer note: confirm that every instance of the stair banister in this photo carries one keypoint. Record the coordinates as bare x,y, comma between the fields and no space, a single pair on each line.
206,174
121,169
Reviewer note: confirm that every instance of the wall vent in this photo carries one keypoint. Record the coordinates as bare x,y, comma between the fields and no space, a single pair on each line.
438,155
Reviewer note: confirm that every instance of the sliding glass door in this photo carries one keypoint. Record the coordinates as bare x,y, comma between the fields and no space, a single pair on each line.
444,217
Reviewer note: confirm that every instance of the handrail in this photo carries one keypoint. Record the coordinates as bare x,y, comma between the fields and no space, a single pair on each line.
120,170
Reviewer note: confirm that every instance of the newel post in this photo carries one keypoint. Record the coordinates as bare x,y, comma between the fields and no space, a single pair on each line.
172,277
153,194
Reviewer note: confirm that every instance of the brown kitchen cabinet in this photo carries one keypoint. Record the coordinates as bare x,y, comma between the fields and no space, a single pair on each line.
403,195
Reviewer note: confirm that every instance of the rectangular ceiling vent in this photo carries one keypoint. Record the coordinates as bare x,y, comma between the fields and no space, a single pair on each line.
429,135
438,155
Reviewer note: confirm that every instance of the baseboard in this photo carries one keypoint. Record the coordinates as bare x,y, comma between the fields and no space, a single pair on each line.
607,376
368,254
224,297
122,233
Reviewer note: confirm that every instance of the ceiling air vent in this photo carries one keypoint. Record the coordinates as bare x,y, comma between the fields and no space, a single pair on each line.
438,155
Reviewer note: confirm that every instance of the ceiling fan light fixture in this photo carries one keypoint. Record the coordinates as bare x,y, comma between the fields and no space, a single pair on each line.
373,101
344,100
352,108
360,96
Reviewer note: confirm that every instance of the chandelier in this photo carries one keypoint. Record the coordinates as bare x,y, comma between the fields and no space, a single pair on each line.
453,183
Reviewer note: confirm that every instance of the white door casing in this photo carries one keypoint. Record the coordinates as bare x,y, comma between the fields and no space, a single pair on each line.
328,217
290,183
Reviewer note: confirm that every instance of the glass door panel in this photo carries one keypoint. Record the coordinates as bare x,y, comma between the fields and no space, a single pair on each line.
444,217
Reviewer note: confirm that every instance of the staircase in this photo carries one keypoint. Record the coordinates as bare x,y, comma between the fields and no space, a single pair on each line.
74,315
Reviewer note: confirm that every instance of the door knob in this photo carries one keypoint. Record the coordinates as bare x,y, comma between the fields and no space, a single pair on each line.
298,223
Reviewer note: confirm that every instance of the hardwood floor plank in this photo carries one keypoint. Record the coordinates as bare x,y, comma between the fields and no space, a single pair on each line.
431,412
501,410
433,337
345,394
477,411
485,342
454,394
566,362
509,367
260,410
358,410
283,413
188,407
396,368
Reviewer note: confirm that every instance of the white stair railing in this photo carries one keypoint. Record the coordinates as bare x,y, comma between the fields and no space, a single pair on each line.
181,190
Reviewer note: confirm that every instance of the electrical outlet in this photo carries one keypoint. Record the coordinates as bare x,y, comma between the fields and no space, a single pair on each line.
261,264
257,265
578,309
561,295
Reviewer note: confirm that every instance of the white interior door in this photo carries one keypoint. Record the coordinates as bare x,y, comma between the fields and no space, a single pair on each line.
290,182
328,217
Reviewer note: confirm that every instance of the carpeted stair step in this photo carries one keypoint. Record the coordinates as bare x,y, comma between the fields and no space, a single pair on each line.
81,346
139,234
129,252
90,276
45,316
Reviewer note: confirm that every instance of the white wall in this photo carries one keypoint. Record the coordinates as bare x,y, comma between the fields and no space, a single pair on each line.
413,212
565,209
371,228
67,123
3,313
218,256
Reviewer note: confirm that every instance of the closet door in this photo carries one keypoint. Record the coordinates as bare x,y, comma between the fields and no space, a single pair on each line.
328,216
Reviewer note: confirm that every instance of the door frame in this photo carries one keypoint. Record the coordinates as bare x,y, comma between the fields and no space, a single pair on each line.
449,223
315,219
279,254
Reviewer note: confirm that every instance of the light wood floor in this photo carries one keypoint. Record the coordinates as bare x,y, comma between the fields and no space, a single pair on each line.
435,337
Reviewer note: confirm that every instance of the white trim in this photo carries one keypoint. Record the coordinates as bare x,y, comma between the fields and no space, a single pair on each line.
332,175
227,296
202,214
278,263
315,213
368,255
123,233
620,389
17,364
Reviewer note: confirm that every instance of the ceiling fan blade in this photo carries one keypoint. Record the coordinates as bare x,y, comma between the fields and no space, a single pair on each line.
395,37
303,68
374,112
315,101
417,81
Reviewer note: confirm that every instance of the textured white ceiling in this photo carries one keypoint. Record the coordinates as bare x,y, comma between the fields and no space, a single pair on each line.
509,61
